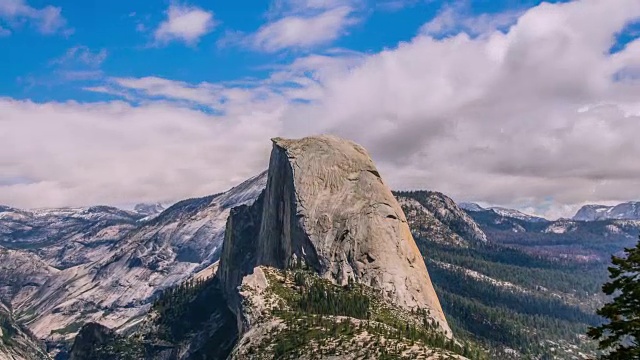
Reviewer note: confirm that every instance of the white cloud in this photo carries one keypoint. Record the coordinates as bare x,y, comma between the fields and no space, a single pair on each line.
267,95
115,153
302,32
47,20
185,23
452,19
537,117
153,86
300,25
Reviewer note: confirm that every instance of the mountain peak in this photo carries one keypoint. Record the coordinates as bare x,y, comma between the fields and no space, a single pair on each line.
325,204
469,206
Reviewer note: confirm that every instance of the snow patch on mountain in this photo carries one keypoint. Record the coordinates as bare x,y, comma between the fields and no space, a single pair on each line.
148,209
471,206
560,227
512,213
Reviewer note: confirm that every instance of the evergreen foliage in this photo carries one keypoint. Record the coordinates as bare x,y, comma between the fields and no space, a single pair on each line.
620,336
331,316
182,308
6,328
320,298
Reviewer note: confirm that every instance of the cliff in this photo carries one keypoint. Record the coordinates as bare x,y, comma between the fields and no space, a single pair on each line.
326,205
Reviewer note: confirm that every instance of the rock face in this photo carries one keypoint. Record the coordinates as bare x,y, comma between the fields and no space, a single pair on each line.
67,237
326,204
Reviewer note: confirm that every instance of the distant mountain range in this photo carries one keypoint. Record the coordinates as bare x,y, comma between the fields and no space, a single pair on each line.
512,213
592,212
579,240
625,211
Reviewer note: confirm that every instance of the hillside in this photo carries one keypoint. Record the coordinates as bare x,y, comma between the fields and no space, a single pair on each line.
17,342
115,281
534,287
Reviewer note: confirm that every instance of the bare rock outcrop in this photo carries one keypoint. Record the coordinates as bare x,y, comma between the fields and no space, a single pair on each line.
326,204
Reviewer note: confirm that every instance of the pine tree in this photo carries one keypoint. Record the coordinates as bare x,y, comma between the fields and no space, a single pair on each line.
620,336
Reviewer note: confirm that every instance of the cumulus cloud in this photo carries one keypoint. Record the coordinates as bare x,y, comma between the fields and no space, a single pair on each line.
539,116
47,20
185,23
116,153
300,25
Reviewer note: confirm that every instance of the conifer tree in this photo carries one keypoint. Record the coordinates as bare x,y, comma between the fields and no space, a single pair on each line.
619,337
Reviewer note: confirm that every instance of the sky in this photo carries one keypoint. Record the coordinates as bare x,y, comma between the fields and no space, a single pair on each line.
524,104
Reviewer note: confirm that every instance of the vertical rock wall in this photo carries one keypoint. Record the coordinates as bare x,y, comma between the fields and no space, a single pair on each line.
326,203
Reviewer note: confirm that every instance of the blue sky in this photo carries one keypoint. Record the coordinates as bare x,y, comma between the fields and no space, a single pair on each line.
35,67
517,103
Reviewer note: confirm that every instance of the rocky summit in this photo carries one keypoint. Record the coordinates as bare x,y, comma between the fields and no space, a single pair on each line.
326,205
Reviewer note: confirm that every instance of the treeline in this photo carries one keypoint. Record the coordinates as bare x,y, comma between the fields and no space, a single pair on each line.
319,298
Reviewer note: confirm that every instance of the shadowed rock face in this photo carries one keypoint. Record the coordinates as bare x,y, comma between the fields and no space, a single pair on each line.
326,203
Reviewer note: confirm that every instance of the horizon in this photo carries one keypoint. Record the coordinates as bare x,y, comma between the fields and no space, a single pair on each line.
168,204
530,106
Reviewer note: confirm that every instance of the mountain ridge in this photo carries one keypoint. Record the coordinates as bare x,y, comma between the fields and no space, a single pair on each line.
625,211
502,211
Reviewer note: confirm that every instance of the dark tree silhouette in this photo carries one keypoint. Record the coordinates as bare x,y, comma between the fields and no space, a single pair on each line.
619,337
